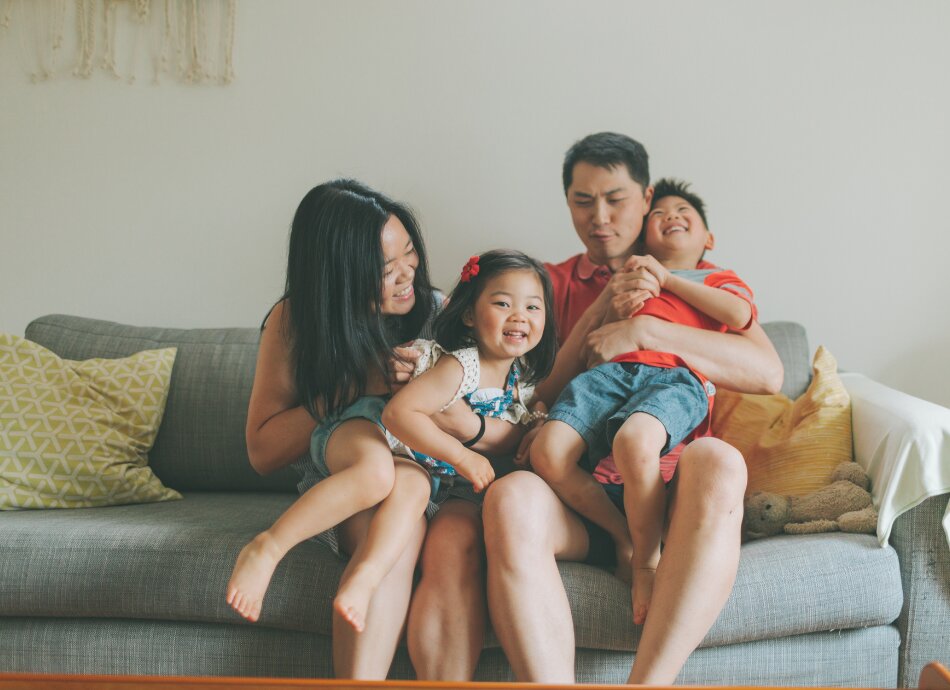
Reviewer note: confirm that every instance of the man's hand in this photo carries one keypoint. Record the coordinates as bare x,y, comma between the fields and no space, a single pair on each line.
610,340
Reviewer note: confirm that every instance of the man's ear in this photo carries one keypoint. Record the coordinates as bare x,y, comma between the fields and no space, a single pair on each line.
468,318
710,240
648,197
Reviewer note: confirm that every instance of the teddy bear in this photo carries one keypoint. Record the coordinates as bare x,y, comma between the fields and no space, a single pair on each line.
844,504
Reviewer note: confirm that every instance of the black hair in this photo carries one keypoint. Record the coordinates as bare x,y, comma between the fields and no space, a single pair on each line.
335,269
670,186
452,333
608,150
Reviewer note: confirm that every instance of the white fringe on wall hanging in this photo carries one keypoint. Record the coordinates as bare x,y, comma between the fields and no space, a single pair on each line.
191,41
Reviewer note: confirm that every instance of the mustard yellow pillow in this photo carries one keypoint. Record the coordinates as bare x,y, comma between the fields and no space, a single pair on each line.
76,434
789,447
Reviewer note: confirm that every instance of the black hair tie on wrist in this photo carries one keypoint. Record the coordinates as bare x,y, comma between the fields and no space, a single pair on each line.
481,432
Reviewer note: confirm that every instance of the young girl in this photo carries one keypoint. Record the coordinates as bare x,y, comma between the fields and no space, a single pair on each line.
501,341
357,284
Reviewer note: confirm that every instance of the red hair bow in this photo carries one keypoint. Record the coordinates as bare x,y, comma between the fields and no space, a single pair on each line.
470,270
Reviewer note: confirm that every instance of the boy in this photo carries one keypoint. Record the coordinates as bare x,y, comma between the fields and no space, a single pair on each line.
643,404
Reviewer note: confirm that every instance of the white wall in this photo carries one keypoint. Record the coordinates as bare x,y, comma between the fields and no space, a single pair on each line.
816,131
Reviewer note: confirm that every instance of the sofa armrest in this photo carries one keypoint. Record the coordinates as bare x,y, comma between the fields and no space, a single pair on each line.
904,444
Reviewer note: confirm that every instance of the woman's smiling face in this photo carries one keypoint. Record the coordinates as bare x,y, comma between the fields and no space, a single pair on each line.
401,260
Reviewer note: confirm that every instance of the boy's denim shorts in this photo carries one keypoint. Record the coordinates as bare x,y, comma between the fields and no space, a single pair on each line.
597,403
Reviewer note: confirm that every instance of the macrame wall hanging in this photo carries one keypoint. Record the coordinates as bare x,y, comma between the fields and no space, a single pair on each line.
191,41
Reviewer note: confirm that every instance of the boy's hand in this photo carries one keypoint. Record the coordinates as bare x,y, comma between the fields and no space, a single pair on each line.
649,264
625,305
476,469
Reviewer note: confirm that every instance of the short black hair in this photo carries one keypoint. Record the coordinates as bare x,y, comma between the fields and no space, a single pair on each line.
670,186
608,150
452,333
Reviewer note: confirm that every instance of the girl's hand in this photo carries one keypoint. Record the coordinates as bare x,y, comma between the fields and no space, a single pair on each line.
476,469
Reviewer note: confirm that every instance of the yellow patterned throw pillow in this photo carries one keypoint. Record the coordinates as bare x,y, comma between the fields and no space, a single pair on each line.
76,434
789,447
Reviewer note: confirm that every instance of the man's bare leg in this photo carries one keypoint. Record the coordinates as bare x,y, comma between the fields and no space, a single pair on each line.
700,559
447,616
636,447
527,528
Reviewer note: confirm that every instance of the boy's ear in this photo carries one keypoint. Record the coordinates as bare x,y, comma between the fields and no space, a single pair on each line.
468,317
710,240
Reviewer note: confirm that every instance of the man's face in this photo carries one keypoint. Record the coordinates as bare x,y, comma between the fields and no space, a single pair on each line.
607,208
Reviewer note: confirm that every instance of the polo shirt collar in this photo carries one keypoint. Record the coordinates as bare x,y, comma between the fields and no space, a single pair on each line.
587,268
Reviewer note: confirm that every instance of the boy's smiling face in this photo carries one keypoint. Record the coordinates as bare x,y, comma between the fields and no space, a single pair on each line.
675,234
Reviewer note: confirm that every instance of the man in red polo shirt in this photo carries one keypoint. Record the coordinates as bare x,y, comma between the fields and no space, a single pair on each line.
528,529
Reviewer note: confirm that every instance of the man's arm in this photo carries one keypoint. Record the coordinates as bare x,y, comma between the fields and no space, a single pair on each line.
745,362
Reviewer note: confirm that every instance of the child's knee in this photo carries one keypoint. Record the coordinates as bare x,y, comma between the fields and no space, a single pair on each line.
638,443
377,477
546,461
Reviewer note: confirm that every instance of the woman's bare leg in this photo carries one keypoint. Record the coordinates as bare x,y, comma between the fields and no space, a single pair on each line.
447,616
527,528
700,559
384,542
362,476
367,655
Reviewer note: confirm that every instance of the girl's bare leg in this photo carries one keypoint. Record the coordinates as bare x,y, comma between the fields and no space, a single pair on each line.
637,445
527,528
700,559
384,542
447,616
362,476
368,655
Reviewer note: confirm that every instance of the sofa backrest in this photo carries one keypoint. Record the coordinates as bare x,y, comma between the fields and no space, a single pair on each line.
200,445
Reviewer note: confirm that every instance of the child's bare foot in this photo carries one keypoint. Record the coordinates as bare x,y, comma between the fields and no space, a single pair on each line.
642,593
252,573
352,601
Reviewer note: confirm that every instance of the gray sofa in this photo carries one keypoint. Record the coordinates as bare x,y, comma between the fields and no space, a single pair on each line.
139,589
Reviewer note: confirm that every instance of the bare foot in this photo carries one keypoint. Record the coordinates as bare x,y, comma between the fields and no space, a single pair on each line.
252,573
352,600
642,593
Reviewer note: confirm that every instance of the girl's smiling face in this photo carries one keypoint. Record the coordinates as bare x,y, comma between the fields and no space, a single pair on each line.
508,317
401,260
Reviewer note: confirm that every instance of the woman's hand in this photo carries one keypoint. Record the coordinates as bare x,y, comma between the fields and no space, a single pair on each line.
399,368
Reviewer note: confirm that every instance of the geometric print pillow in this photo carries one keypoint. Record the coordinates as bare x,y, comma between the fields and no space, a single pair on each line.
77,434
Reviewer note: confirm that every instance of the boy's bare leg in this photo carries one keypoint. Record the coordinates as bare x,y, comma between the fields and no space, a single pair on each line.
637,445
700,559
527,529
385,541
362,475
447,616
555,455
369,654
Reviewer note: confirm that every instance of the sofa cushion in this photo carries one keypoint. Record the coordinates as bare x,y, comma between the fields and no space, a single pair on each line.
164,561
200,445
77,434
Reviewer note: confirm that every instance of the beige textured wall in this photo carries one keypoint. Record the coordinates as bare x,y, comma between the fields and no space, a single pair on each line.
816,130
